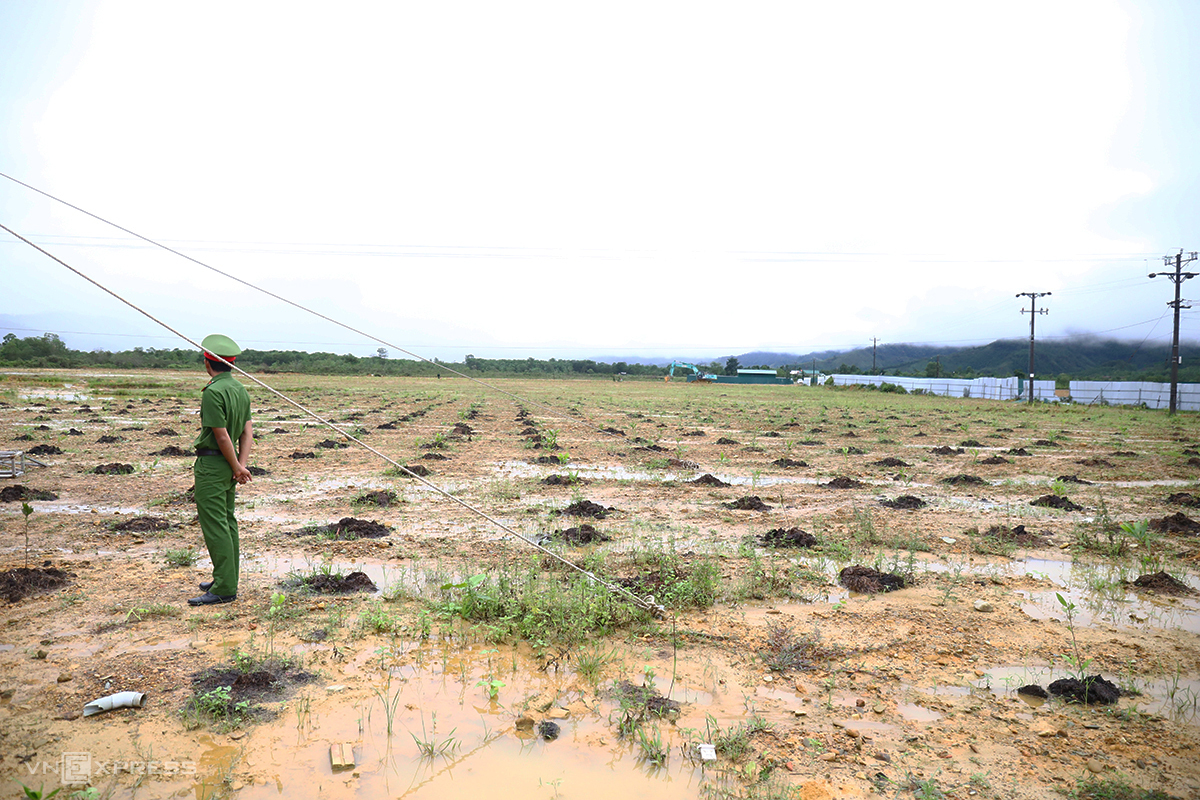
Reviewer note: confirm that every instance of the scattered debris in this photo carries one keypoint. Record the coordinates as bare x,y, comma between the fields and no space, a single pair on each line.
118,700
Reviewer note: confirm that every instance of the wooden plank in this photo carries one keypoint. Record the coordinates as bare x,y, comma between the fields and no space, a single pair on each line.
341,756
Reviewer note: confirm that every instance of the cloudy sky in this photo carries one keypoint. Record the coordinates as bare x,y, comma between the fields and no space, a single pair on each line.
680,179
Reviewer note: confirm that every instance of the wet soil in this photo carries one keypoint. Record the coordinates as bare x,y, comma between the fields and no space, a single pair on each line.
323,583
21,582
1016,535
268,681
1092,690
113,469
788,537
1055,501
748,503
905,501
1162,583
17,492
867,580
142,525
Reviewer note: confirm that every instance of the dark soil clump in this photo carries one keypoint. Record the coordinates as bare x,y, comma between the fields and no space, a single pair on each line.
24,437
1054,501
1092,690
1046,443
548,461
173,451
1163,583
694,433
1184,499
1017,535
1094,462
387,426
330,444
842,483
787,463
1033,690
970,443
300,454
22,582
1018,451
420,470
340,584
964,480
852,451
142,525
562,480
548,731
748,503
1073,479
890,461
435,457
273,680
645,698
11,494
463,429
788,537
613,431
1176,523
280,430
585,508
866,580
110,439
380,498
727,441
905,501
257,472
992,460
708,480
347,528
166,432
113,469
44,450
584,534
947,451
1123,454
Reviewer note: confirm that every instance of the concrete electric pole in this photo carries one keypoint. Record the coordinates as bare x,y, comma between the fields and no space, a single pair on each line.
1177,277
874,342
1033,312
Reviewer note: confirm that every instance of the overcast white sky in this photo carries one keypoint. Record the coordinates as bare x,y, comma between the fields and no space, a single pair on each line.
680,179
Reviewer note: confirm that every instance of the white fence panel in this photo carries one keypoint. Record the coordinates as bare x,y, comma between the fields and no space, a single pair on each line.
982,388
1135,393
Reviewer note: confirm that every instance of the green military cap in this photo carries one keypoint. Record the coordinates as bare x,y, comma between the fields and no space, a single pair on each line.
221,345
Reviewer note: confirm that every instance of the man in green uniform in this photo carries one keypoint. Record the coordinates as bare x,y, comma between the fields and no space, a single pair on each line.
220,467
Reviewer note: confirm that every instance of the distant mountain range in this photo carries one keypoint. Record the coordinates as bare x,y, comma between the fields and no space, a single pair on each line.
1079,357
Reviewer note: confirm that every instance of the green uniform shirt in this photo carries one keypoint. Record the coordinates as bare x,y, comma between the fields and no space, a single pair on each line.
224,403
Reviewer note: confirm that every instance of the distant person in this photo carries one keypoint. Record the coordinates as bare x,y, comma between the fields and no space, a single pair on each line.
220,467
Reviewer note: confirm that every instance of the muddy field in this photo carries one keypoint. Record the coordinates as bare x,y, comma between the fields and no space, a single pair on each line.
855,587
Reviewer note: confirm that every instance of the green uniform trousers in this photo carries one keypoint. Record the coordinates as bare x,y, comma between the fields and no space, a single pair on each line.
215,493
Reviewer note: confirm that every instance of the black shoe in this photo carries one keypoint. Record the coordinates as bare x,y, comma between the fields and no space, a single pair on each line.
204,587
210,599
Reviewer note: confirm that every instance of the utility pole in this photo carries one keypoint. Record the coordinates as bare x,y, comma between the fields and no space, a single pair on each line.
937,372
874,342
1177,277
1033,312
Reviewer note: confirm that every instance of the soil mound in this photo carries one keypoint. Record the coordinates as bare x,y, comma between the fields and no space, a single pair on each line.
24,437
852,451
1017,535
44,450
382,498
386,426
1163,583
435,457
257,472
420,470
694,433
22,582
788,537
166,432
340,584
110,439
548,731
280,430
299,454
585,508
890,461
1033,690
964,480
347,528
1054,501
74,432
1176,523
273,680
1092,690
748,503
970,443
906,501
676,463
172,450
550,460
991,460
561,480
463,429
1184,499
866,580
653,448
947,451
1123,453
809,442
1046,443
330,444
1018,451
842,483
1073,479
11,494
583,534
142,525
727,441
708,480
1193,462
787,463
1094,462
113,469
613,431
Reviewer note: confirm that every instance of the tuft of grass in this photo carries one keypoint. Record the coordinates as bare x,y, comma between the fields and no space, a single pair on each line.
1113,789
180,557
152,610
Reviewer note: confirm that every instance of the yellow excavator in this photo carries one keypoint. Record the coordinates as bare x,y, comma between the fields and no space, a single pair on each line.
697,375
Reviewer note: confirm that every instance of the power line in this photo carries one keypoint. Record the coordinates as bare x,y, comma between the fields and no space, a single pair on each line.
1033,312
1178,277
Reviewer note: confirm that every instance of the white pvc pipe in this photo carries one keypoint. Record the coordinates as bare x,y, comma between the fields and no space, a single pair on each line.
118,700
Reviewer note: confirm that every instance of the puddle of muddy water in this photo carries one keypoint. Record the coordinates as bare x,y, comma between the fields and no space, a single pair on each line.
1174,698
